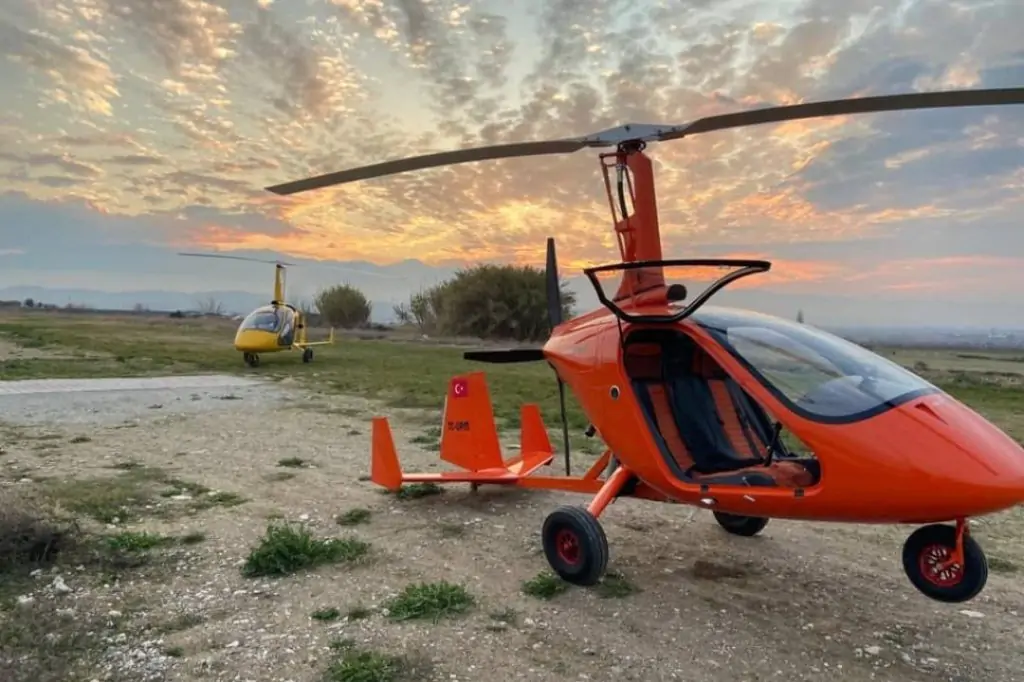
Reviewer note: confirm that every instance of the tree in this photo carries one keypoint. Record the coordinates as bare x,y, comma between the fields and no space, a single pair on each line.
29,303
343,306
487,301
211,306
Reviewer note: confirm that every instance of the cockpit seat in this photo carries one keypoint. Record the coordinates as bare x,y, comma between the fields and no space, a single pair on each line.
710,427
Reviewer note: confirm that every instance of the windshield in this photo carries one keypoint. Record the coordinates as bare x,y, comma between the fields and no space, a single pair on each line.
264,319
820,375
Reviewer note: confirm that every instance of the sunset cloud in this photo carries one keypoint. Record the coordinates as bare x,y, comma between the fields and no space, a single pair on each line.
167,119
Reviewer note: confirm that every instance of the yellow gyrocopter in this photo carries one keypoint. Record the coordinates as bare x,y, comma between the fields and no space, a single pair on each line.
272,328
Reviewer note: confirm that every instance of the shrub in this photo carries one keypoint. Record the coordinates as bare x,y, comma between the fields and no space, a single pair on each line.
486,301
343,306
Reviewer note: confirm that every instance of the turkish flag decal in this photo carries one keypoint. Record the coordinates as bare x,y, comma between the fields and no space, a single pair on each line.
460,388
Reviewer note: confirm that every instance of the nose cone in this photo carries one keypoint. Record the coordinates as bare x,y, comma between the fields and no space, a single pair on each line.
965,455
254,340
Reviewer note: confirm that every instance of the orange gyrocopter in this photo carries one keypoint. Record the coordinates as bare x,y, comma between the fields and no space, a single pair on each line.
691,400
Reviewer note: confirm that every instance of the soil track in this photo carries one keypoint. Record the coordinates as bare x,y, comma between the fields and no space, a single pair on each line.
801,602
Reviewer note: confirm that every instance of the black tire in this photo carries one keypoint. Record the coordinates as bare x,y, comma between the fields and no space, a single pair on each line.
931,544
251,359
736,524
307,355
575,545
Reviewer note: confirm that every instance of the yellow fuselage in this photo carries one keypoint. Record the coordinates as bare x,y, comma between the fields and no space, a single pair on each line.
257,341
267,329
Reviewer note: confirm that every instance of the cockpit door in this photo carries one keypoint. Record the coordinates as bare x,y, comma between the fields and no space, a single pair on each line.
286,337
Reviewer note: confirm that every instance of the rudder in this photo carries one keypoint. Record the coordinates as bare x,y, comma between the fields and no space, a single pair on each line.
469,438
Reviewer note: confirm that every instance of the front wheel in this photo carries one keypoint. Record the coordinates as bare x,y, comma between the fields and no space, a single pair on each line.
307,355
575,545
737,524
251,359
927,560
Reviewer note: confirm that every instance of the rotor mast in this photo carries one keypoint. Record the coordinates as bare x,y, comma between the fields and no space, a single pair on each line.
278,284
637,231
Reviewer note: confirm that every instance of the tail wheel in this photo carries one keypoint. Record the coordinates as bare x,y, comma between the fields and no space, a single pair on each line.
251,359
575,545
737,524
928,559
307,355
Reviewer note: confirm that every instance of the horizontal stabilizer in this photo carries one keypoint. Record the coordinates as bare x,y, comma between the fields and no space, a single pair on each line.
505,355
469,440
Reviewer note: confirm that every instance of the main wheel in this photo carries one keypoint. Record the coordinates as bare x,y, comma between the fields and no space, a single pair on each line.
925,554
737,524
575,545
251,359
307,355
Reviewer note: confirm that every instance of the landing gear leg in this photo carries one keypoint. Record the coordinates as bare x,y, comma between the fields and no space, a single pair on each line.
574,541
251,359
945,563
307,355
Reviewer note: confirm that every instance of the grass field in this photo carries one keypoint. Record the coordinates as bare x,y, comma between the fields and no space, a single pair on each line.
244,542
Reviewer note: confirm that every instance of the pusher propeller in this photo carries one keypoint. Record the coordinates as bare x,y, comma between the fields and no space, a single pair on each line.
646,132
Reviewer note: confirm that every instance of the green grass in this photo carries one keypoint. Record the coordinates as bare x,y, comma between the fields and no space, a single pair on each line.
415,491
545,586
287,549
352,664
326,615
430,601
402,374
354,517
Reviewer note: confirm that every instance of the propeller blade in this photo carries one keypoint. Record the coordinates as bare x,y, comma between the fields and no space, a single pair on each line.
843,107
554,292
376,170
505,356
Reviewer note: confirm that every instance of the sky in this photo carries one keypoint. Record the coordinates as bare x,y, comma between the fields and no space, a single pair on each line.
135,129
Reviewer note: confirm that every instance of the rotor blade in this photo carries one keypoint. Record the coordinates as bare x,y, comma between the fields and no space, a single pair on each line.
502,151
505,355
230,257
842,107
554,293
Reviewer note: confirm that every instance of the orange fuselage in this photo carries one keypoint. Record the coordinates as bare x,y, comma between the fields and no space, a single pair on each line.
929,458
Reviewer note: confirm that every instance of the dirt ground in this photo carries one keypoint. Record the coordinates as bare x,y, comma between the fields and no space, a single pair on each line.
800,602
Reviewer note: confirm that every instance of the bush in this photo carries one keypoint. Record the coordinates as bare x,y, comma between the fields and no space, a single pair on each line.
343,306
487,301
32,532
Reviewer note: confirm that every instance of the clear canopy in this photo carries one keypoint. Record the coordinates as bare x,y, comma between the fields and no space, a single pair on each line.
266,319
819,374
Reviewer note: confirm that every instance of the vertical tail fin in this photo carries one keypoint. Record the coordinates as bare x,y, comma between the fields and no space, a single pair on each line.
469,438
385,470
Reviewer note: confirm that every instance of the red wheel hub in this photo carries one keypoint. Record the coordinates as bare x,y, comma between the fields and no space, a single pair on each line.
936,566
567,544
